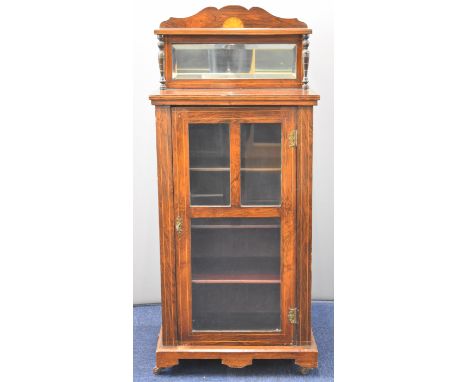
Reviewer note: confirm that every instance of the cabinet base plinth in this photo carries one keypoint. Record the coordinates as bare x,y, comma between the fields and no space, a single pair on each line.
306,356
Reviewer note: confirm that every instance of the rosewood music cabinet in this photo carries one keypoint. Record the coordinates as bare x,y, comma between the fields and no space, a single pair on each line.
234,149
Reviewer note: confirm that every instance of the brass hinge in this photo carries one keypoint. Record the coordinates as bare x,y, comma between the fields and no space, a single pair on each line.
178,225
292,138
292,315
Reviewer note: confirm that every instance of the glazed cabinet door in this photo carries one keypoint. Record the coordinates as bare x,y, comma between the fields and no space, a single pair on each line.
235,214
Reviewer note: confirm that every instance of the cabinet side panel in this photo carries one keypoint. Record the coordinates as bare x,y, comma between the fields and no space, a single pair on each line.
304,223
166,225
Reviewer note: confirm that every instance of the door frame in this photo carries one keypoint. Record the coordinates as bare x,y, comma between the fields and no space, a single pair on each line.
181,117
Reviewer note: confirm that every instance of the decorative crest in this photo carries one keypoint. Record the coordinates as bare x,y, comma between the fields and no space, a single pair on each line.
232,16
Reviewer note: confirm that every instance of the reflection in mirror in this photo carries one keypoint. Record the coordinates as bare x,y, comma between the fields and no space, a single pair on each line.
234,61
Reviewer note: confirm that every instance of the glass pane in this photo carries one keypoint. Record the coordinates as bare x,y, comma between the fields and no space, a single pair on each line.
260,164
235,274
209,164
237,307
233,61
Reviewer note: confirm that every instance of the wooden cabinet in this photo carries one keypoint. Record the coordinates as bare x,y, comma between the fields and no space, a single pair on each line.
234,146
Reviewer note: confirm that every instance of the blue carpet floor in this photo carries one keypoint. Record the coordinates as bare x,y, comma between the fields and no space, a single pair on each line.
146,324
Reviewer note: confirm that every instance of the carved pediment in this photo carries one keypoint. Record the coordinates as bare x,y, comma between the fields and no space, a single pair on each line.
232,16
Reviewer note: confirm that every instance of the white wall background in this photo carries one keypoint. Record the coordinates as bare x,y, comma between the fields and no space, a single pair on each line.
148,14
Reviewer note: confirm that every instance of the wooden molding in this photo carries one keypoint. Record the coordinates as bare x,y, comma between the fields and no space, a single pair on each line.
237,362
235,97
237,356
233,31
212,17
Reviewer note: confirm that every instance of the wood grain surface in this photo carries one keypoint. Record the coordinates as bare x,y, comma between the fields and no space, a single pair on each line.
233,31
237,356
166,225
235,97
212,17
304,223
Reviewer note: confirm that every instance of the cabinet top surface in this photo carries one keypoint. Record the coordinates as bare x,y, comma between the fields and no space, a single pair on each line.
233,31
235,97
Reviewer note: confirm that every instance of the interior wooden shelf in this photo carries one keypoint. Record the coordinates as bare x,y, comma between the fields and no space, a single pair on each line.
207,195
235,226
214,169
261,169
236,279
246,169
